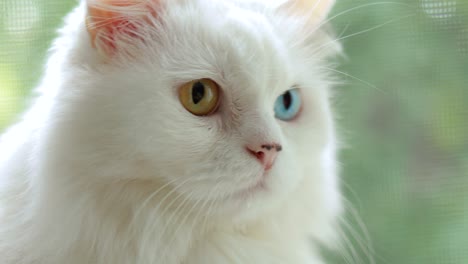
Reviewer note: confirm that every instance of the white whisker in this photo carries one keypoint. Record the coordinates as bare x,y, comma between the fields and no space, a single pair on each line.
170,221
354,77
319,48
326,21
349,254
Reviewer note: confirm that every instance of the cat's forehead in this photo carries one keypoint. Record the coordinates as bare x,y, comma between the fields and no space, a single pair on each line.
237,41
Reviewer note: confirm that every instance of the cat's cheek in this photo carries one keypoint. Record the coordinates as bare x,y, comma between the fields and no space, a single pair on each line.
286,175
311,131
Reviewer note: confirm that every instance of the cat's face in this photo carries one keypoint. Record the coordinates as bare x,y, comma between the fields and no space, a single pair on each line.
266,127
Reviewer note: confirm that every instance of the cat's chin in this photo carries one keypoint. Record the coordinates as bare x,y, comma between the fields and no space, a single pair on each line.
262,196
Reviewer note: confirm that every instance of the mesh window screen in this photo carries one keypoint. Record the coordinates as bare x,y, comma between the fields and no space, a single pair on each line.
403,112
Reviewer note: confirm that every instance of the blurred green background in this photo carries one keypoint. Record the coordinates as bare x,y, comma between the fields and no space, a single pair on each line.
403,112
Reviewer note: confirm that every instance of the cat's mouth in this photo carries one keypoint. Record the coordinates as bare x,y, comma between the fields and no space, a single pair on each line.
261,185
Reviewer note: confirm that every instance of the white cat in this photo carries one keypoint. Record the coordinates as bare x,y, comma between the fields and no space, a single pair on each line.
176,131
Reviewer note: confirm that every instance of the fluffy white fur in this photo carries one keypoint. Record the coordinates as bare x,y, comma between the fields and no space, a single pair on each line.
108,167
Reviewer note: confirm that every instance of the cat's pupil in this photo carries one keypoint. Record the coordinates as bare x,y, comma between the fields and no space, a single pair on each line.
198,92
287,100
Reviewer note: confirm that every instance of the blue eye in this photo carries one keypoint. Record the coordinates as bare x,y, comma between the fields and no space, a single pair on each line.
288,105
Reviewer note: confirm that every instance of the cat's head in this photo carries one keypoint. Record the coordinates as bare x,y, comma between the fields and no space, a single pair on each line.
225,101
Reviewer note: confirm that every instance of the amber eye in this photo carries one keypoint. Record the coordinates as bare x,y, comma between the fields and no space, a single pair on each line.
200,97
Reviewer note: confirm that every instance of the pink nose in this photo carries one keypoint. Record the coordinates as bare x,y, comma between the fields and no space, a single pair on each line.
265,153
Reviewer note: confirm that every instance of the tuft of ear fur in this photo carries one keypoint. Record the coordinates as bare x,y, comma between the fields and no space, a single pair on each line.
315,10
113,25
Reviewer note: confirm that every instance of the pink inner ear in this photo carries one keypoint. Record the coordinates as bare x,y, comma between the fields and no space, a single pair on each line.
109,18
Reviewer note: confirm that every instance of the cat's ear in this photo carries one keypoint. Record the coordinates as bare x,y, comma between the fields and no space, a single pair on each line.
314,10
115,25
